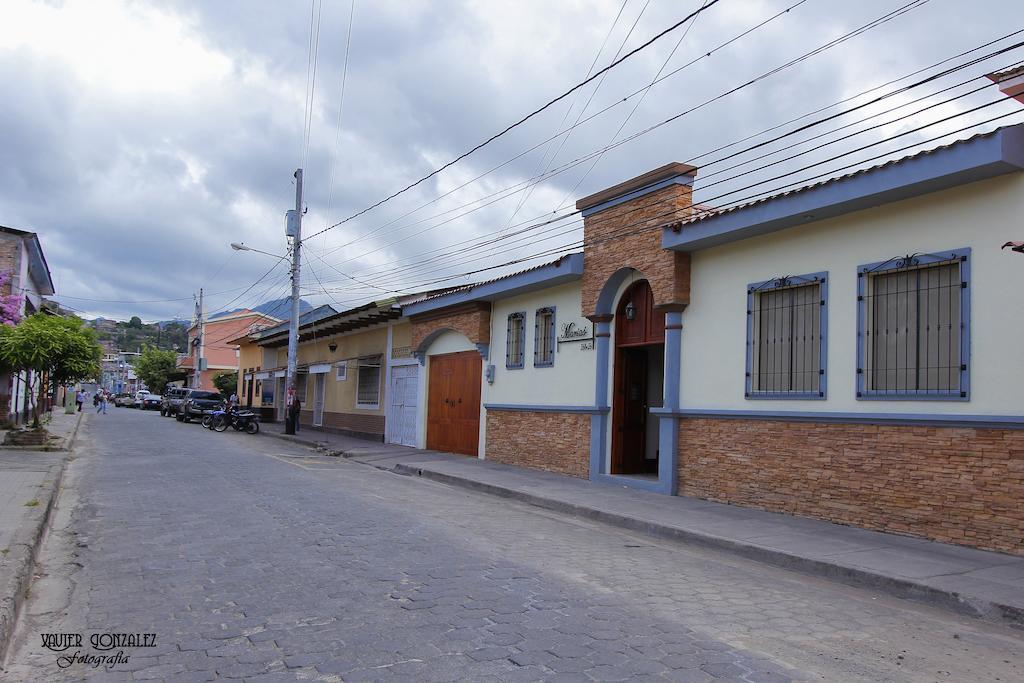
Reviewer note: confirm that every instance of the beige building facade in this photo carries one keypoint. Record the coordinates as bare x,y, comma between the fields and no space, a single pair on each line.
843,351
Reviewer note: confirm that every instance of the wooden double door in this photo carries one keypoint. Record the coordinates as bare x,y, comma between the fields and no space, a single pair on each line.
638,381
453,403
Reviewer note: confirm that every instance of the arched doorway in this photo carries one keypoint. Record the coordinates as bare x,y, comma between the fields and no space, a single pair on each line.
638,381
453,367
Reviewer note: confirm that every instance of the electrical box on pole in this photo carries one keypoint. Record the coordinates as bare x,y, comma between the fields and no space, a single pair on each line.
292,224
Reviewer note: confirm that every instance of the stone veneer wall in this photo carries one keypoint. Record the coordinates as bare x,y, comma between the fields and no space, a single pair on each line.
368,425
555,442
629,235
954,485
472,321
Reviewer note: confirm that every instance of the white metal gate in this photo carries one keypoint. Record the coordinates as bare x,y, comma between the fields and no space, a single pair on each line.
319,387
401,413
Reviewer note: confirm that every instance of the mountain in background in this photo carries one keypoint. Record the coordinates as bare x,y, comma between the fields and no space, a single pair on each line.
279,308
172,334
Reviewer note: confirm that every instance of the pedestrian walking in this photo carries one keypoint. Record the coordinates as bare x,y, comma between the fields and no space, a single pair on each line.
233,400
101,403
79,399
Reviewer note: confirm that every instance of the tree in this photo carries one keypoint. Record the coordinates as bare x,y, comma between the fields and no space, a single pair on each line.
57,348
226,383
135,322
154,367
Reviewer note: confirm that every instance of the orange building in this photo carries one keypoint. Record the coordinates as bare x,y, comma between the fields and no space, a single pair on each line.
220,356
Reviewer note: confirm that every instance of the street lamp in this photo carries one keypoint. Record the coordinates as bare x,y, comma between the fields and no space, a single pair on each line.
242,246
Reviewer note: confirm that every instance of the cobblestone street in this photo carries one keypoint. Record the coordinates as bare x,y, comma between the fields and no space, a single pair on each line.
255,559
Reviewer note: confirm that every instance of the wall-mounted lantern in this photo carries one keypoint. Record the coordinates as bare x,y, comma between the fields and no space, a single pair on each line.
333,347
630,311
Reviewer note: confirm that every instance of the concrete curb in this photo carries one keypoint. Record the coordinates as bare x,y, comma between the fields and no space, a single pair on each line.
70,446
314,445
902,588
22,556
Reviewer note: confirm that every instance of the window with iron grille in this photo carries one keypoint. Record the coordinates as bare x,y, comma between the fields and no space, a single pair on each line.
515,341
368,384
786,335
913,327
544,338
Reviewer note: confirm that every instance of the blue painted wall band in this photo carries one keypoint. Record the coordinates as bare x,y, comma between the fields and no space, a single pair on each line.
899,419
524,408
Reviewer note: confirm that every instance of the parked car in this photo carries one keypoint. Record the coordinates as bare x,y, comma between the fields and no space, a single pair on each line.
123,400
173,396
196,402
151,402
139,396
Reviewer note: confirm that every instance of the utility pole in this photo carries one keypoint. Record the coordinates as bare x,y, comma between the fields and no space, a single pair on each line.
294,231
198,366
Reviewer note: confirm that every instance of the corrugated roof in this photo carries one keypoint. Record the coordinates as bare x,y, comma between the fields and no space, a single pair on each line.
474,285
829,181
1008,73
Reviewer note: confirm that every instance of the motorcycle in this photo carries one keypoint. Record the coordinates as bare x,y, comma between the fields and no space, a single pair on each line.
239,420
246,421
209,416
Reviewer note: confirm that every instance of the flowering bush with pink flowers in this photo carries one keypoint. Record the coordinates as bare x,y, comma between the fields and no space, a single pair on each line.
10,304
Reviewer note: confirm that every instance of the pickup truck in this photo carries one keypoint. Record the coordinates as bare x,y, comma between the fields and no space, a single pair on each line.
170,406
196,401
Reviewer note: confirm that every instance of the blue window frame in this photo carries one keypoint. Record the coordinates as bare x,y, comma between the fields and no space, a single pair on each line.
515,341
544,343
913,327
787,330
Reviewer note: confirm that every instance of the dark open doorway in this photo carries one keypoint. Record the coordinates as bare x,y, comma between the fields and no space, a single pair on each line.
639,376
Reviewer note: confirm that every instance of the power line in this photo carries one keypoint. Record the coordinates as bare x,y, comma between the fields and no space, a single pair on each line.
636,105
540,144
791,146
816,122
832,43
705,177
701,212
311,68
341,107
547,164
526,118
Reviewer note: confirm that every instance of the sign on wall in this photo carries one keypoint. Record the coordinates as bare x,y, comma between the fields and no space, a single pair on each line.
573,332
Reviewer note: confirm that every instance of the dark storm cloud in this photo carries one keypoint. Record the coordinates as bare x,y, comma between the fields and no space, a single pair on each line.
137,183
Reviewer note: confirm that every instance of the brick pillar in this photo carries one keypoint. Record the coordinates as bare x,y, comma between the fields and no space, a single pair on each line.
622,231
622,237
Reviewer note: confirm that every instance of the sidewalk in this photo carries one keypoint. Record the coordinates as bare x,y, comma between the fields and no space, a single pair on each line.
29,480
982,584
329,443
61,426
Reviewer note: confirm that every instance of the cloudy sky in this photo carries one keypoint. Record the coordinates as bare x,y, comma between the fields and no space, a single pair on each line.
140,138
